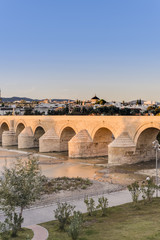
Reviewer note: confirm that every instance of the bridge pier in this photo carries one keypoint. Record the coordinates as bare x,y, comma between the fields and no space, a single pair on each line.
49,142
81,145
121,150
26,138
97,140
9,138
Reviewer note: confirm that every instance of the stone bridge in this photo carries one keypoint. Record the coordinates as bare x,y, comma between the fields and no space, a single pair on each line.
124,139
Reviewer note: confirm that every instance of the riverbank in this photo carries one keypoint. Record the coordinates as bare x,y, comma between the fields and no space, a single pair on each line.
97,188
106,179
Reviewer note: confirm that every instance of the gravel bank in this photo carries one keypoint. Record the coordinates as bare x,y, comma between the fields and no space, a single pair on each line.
96,188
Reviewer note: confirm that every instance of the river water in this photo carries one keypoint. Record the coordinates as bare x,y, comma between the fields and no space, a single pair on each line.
59,165
55,164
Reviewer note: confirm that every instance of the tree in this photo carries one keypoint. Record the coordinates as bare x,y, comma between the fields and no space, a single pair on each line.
138,102
19,187
28,111
101,102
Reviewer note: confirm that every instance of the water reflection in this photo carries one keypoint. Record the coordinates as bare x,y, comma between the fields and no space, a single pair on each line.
59,165
54,164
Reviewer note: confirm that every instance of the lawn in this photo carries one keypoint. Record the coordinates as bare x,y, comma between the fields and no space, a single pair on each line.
23,234
123,222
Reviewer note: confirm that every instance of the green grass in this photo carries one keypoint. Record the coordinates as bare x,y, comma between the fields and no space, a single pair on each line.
122,223
23,234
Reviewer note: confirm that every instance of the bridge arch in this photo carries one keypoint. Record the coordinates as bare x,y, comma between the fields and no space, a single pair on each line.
66,134
101,139
144,138
38,132
4,127
20,122
19,128
107,126
144,127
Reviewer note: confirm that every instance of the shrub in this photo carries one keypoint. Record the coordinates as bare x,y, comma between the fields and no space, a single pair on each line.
76,225
103,204
62,214
148,189
135,191
90,203
4,231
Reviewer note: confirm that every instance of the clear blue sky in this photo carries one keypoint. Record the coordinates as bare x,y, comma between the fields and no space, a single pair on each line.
76,48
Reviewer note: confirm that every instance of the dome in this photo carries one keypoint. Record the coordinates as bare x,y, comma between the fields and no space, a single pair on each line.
95,98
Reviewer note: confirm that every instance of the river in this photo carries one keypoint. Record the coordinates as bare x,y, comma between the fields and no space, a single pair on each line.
59,165
54,164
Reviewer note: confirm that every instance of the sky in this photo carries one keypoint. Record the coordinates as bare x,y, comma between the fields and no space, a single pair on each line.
78,48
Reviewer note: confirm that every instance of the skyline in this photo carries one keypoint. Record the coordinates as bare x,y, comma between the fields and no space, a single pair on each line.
68,49
58,99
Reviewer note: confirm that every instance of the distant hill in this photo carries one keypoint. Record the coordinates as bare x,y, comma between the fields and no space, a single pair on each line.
12,99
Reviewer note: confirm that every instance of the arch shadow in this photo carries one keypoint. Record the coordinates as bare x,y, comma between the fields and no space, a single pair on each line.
66,135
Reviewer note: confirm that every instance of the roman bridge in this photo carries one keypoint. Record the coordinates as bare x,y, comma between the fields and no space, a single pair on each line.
124,139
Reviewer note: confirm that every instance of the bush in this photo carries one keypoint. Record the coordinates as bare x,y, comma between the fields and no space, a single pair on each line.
76,225
4,231
62,214
90,203
148,189
103,204
135,191
14,221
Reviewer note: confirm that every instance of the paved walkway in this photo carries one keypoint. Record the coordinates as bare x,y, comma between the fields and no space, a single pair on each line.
46,213
42,214
40,233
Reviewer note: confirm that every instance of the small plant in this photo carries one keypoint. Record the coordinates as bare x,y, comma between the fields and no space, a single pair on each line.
135,191
90,203
76,225
28,237
103,204
14,222
64,183
148,189
4,231
62,214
